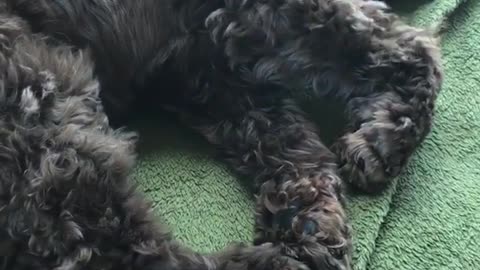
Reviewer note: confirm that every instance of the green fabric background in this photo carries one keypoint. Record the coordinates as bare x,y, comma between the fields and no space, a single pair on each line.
434,218
428,219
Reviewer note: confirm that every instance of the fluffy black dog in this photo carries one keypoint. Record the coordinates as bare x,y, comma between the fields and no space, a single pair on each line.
229,68
65,198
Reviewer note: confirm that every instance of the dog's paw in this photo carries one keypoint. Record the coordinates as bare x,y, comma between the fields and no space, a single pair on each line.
306,215
375,153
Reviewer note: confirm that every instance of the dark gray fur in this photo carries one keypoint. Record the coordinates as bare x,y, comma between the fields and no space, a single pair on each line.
228,67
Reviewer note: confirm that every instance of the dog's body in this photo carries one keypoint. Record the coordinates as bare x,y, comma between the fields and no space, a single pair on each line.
228,67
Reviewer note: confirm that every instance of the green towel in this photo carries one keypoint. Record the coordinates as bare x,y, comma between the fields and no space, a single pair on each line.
427,13
434,219
208,207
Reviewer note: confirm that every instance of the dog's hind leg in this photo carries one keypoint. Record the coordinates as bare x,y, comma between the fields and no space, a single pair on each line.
299,202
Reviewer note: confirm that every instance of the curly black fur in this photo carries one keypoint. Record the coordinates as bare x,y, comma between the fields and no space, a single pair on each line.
66,201
229,68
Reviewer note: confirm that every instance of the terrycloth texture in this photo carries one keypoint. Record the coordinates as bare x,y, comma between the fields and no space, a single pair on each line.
434,221
428,13
208,207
